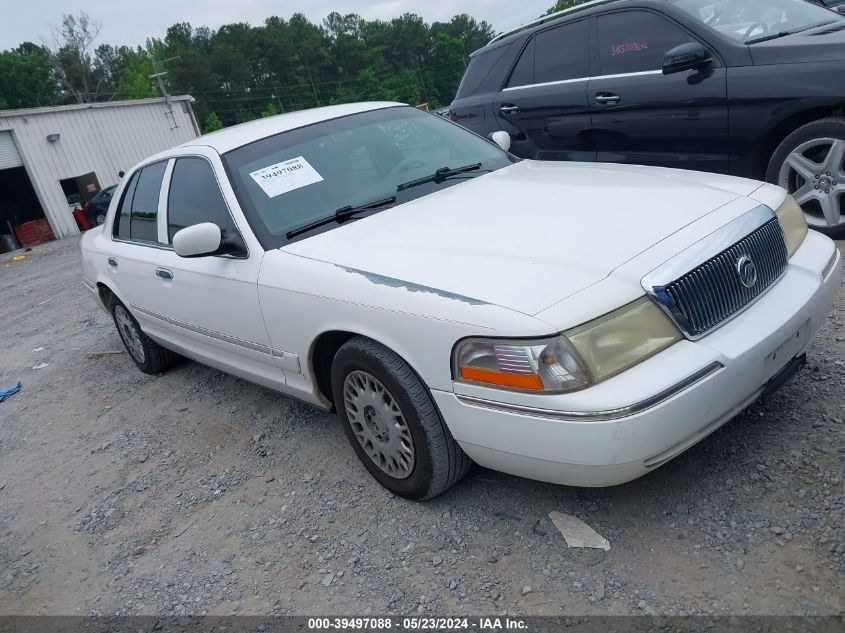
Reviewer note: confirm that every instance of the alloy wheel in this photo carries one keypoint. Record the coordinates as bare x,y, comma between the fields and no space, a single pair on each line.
379,424
129,333
814,173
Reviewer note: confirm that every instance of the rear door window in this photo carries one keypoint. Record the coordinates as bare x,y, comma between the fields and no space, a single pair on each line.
636,41
523,72
561,53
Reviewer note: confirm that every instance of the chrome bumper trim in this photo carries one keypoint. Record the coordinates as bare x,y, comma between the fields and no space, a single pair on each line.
608,414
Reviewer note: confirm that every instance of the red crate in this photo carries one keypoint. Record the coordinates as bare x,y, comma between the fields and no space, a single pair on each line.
34,232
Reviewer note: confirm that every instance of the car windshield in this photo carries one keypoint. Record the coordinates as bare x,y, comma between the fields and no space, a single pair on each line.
289,180
750,20
104,194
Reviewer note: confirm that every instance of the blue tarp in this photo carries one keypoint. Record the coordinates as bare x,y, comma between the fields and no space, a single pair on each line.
8,391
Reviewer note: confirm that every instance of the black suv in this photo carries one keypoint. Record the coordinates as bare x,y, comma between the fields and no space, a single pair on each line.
741,87
834,5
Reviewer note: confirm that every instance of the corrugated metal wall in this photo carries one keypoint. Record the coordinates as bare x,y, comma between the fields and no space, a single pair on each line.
104,138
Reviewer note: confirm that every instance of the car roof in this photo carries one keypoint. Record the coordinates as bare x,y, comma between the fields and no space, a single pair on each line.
228,139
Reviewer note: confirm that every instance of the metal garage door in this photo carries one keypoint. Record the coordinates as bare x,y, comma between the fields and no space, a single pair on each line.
9,156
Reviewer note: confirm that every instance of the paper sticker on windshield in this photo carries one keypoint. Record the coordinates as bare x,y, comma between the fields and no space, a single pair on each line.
287,176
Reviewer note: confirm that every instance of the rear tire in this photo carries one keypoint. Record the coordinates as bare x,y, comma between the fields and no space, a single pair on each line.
392,422
148,356
810,165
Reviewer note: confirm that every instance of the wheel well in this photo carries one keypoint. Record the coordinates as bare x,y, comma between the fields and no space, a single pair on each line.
786,127
322,354
106,295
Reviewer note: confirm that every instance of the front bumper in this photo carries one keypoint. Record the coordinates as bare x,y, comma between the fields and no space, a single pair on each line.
634,422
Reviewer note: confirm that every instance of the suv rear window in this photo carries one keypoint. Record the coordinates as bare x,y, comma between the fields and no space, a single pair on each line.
479,67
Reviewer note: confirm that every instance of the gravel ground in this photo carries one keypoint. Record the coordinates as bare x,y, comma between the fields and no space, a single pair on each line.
195,492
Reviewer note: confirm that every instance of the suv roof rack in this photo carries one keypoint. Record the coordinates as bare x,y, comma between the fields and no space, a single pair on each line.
546,18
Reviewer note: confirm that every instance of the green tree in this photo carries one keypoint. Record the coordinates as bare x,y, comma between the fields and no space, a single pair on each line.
212,123
270,110
26,77
134,80
236,70
73,58
445,69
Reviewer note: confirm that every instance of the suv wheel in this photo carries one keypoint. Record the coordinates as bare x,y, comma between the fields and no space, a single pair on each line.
810,164
149,356
392,422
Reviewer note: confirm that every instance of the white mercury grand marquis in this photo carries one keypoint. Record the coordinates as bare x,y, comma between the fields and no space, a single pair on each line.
573,323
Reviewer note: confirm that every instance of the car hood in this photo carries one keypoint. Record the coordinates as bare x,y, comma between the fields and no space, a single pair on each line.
822,44
526,236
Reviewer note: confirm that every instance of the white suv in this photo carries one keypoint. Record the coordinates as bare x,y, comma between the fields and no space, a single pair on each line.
573,323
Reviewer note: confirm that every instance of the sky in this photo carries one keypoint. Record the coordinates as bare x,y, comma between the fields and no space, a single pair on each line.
131,23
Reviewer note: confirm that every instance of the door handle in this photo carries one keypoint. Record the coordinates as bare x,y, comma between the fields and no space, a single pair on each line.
112,262
607,98
508,108
164,273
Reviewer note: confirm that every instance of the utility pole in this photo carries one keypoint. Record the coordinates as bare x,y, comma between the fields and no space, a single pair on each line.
422,81
158,77
276,95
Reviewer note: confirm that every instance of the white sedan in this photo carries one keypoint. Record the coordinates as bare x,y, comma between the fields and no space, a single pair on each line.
572,323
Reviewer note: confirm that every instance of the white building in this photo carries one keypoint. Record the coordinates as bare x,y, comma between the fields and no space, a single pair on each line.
52,159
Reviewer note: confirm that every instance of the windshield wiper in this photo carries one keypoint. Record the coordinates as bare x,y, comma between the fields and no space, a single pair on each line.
438,176
341,215
766,38
774,36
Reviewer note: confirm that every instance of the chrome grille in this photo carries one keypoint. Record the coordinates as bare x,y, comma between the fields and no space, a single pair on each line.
712,292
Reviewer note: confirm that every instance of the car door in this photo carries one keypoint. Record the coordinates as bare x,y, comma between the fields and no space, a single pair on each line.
545,96
210,302
640,115
134,248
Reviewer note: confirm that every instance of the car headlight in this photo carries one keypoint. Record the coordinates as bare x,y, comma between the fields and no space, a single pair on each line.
622,338
576,359
540,365
792,223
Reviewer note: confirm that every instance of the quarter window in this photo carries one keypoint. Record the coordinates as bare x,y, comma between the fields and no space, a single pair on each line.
636,41
138,212
142,225
121,228
195,197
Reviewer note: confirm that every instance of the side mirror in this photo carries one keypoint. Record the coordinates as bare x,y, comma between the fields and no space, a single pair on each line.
690,56
502,139
197,240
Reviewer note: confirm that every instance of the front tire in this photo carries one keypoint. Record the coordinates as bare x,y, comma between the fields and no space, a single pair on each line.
392,422
810,165
148,356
